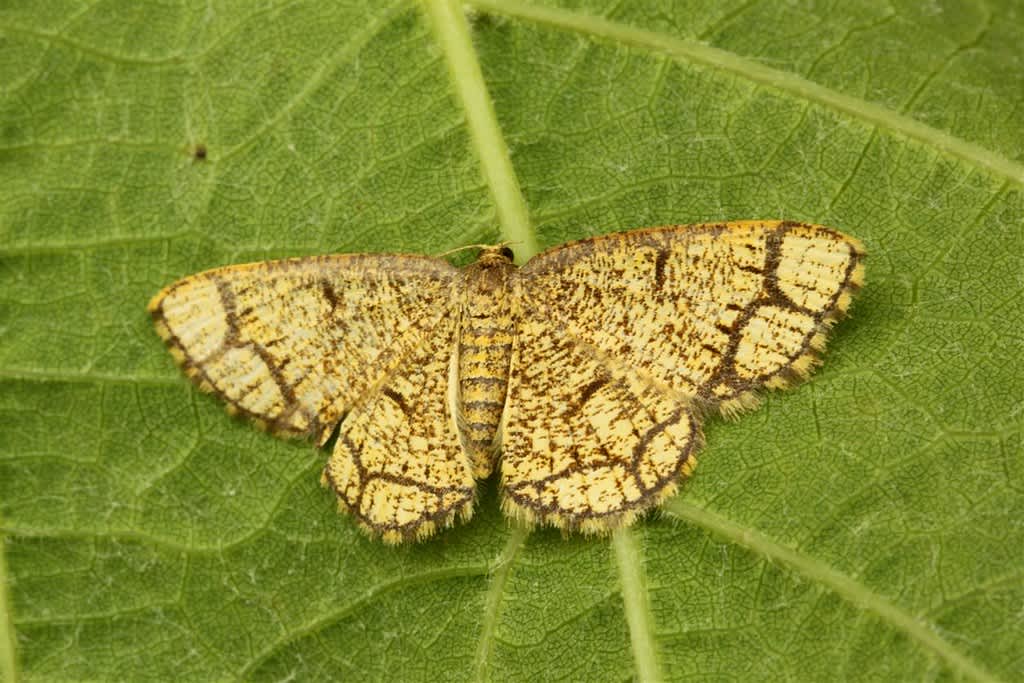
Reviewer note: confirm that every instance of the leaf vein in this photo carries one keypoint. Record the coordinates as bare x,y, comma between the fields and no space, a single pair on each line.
754,72
844,586
453,36
375,593
499,575
628,557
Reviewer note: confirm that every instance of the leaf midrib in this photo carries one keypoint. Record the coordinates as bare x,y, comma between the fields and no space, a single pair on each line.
499,576
452,34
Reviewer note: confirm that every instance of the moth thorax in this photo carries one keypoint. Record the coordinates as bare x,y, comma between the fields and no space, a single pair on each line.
485,351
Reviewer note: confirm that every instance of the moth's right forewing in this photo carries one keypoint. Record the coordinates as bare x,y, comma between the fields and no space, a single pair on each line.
714,311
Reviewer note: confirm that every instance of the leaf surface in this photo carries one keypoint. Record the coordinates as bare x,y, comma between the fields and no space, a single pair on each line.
865,525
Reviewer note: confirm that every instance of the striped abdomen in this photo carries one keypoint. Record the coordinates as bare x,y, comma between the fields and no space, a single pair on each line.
485,351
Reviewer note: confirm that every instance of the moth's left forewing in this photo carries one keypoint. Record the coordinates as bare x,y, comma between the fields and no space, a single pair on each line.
289,343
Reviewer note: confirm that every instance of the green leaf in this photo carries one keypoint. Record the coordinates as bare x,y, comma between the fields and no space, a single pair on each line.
865,525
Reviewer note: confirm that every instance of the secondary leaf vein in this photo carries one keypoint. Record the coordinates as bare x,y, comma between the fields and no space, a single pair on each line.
246,672
845,586
750,70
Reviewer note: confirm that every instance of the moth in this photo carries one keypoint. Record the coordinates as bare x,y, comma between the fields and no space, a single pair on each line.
583,376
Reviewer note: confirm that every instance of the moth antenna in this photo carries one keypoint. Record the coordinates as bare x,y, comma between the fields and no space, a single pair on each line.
497,245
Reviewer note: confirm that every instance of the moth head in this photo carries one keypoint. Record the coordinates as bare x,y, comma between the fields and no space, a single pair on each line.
501,253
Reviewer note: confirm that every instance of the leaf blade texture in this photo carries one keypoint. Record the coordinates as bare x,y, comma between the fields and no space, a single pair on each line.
859,526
